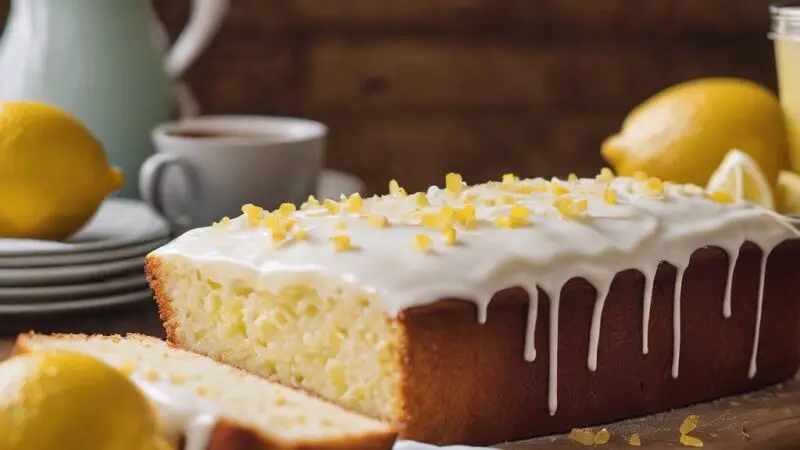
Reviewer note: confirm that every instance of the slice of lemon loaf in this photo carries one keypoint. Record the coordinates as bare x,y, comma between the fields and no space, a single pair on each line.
221,407
498,311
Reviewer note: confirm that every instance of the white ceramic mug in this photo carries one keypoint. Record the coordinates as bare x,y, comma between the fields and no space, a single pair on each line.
207,167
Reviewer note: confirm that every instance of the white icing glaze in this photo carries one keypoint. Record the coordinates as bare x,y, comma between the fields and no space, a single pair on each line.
726,302
649,285
552,383
594,332
676,321
182,414
751,371
530,326
642,228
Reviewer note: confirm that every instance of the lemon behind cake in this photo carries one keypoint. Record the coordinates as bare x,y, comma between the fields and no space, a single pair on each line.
219,407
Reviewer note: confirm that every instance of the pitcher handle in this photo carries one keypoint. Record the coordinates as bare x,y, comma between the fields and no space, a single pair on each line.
204,22
151,186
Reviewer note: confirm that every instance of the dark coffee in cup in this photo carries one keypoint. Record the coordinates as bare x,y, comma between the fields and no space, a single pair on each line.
221,134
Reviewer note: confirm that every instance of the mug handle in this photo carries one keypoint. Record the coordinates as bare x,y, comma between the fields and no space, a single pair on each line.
151,185
204,22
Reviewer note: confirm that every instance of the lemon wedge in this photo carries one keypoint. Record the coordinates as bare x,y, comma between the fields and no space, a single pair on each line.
740,177
788,193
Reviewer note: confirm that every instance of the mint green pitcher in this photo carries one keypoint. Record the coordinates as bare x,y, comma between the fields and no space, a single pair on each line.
102,61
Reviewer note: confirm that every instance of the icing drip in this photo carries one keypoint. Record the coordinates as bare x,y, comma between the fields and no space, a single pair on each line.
594,333
530,327
649,285
676,321
483,308
198,432
552,382
751,372
726,302
181,414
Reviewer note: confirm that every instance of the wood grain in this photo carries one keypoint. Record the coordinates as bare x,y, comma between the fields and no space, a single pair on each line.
767,419
570,19
141,318
422,74
251,77
522,143
524,80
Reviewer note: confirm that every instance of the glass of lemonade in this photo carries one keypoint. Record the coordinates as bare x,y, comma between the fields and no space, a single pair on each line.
785,33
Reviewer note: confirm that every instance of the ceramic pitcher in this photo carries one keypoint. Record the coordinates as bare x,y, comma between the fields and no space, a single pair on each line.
101,61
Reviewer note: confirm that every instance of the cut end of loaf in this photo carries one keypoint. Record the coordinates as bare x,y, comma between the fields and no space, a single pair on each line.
335,342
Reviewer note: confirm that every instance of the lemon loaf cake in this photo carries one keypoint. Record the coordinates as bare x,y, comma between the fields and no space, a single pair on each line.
498,311
211,406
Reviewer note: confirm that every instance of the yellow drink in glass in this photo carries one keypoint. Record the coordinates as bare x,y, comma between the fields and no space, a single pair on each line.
786,35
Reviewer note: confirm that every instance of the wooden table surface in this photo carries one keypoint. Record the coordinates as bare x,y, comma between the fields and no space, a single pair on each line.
135,319
768,419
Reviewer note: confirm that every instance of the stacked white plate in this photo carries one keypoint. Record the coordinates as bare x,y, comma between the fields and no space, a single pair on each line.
100,266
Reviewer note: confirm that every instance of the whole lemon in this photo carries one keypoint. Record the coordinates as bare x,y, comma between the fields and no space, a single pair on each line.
53,172
69,401
682,133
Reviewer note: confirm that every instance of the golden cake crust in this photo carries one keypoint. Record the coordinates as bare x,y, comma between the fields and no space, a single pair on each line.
152,267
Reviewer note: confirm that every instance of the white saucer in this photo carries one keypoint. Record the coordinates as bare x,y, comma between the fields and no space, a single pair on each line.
63,259
77,305
39,294
49,276
118,223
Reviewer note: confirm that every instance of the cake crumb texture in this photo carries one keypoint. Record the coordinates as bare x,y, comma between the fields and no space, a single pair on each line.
339,345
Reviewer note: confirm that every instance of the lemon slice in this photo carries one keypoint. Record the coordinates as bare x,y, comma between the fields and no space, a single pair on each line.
740,177
788,193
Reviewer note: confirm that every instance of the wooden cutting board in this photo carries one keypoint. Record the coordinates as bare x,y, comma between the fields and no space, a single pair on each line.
767,419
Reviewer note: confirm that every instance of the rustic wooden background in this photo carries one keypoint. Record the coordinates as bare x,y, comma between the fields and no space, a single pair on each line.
414,88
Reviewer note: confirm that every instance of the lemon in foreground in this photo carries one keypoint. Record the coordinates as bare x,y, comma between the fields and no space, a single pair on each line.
53,172
682,133
788,193
69,401
740,177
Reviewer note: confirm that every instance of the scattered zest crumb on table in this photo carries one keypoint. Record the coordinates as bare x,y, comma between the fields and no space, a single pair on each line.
588,437
602,437
581,436
691,441
689,424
